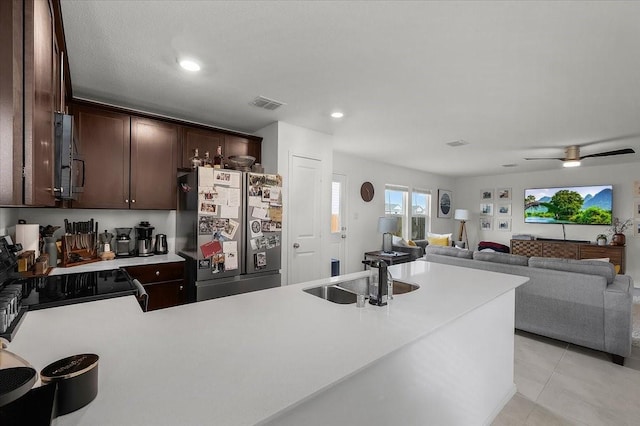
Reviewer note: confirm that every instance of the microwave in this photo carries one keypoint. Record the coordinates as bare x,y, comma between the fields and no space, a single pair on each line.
69,167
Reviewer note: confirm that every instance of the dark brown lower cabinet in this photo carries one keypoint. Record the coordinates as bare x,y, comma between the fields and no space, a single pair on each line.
163,282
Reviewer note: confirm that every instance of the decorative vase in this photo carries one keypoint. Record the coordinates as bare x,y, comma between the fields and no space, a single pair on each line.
602,241
618,240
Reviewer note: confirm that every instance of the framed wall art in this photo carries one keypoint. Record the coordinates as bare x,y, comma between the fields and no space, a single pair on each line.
486,194
503,194
636,228
503,209
485,223
445,204
636,188
636,209
503,224
486,209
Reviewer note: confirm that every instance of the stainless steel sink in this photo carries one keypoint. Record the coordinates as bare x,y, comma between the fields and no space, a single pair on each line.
401,288
346,292
361,286
333,294
358,286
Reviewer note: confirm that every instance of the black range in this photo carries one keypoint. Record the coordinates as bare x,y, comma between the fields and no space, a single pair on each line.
59,290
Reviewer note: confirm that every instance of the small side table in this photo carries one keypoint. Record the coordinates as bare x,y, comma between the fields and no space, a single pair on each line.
391,258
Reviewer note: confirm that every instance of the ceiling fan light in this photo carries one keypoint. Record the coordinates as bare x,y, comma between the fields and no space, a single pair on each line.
571,163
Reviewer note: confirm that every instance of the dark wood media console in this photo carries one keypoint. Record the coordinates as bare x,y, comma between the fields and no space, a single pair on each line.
570,250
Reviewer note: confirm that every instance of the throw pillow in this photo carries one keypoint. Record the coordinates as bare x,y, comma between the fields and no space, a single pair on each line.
439,239
412,243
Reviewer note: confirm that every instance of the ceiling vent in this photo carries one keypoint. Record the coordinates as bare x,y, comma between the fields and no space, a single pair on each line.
267,103
458,143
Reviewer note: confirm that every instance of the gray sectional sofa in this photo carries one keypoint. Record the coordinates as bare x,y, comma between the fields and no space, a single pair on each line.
577,301
416,251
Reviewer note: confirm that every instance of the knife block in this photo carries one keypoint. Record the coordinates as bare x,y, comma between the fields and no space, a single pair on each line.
78,249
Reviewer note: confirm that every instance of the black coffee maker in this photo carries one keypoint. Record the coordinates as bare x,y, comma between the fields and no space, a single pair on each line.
144,244
378,282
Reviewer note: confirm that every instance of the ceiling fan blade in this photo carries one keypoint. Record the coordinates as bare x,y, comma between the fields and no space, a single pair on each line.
548,158
608,153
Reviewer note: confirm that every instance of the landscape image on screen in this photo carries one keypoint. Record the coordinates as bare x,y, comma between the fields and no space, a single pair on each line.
581,205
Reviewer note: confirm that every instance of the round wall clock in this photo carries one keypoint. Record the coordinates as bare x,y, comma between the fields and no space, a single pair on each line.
366,191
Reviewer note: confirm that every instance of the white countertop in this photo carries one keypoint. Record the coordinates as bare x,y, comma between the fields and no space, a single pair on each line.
119,262
240,359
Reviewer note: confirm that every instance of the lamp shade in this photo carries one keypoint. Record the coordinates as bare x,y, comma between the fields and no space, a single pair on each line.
461,214
387,224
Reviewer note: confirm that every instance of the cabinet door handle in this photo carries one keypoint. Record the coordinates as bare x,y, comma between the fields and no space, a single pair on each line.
181,287
296,245
157,273
133,201
126,201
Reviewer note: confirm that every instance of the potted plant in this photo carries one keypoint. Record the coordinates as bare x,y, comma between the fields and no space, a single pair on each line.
601,239
617,230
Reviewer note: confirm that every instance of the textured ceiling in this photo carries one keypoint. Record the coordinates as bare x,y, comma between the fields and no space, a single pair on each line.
514,79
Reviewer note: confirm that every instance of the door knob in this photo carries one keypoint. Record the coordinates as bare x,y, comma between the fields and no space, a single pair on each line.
296,245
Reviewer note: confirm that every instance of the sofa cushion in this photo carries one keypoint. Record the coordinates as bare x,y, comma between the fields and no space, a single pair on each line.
497,257
590,267
449,251
439,239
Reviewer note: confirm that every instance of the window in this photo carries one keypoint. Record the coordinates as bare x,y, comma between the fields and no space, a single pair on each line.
395,205
336,219
420,208
413,222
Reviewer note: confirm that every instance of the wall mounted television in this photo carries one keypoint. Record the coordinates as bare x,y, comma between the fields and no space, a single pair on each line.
575,205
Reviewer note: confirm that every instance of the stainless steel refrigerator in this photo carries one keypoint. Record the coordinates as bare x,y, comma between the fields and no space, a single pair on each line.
229,230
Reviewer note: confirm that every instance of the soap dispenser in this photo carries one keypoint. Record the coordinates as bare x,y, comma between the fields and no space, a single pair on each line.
378,282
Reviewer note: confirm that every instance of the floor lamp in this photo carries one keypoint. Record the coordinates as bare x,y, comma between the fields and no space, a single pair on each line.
387,225
462,215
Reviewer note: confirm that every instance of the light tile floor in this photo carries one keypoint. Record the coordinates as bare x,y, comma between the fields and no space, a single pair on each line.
563,384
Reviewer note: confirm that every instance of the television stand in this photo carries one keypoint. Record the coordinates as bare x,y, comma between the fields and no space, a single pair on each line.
570,249
564,241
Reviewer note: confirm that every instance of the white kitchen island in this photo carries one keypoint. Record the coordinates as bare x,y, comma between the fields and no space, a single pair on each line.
442,354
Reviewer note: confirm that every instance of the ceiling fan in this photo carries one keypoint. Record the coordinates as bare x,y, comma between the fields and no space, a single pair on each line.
572,155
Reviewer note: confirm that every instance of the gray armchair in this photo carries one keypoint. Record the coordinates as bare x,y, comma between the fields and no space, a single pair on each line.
416,251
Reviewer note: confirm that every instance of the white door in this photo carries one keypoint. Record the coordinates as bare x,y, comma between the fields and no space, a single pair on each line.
337,238
305,184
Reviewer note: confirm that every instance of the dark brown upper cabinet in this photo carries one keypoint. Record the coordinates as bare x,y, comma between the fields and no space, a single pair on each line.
154,161
201,139
104,139
205,140
130,162
11,104
31,51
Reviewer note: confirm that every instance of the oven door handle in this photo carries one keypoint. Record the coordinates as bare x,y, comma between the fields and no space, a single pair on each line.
143,296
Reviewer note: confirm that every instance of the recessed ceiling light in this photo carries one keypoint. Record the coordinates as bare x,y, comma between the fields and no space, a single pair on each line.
337,114
458,143
510,165
189,65
571,163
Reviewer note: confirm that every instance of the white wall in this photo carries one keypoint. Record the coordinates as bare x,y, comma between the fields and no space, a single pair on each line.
362,218
467,195
287,139
164,221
